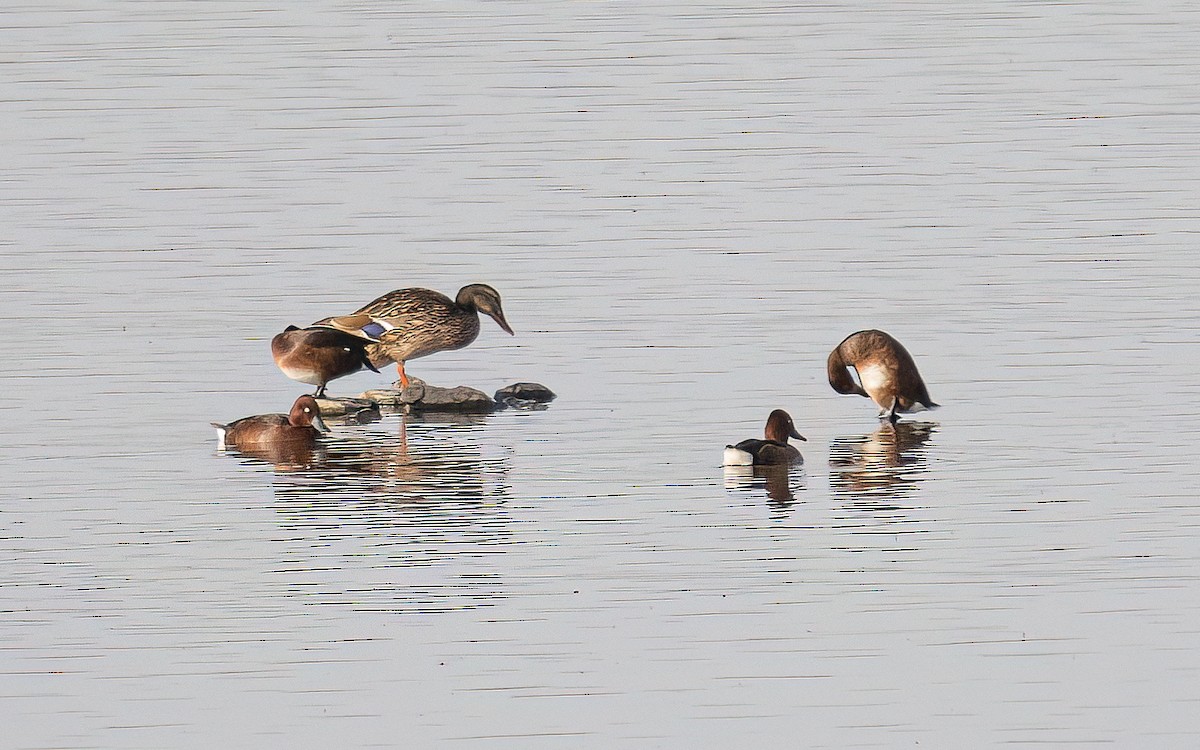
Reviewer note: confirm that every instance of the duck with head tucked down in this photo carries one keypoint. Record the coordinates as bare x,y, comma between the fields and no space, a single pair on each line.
300,426
886,372
414,322
774,451
317,355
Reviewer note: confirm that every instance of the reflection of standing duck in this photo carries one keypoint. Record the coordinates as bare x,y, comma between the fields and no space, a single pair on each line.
886,374
417,322
886,461
772,451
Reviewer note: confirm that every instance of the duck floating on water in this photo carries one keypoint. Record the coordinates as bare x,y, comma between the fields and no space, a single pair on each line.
774,451
412,323
317,355
886,374
300,426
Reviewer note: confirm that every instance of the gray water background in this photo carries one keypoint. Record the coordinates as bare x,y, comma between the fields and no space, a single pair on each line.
685,206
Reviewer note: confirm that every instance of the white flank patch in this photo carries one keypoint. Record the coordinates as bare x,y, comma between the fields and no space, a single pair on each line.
736,457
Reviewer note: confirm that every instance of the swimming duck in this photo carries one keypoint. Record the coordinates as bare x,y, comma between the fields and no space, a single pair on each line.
301,425
773,451
317,355
886,374
412,323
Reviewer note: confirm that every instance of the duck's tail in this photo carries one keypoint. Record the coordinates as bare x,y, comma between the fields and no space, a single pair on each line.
221,430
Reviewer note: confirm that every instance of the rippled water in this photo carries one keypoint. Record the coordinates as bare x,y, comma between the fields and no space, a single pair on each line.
685,207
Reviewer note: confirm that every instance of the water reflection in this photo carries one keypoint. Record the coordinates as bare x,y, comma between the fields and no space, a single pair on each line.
402,516
285,457
781,484
876,470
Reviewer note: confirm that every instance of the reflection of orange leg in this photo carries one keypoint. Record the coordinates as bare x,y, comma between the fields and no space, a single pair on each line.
403,377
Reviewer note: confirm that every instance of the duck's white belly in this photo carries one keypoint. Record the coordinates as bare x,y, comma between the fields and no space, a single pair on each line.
875,380
302,375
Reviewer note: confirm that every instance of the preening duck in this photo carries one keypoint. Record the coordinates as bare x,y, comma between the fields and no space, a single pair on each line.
886,374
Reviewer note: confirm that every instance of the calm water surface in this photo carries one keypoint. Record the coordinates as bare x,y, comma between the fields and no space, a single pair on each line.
685,207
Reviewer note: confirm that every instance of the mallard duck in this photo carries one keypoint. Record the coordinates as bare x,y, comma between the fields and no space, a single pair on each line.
317,355
886,374
301,425
412,323
773,451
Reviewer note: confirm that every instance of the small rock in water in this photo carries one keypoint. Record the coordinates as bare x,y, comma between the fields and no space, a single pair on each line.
525,396
419,396
459,398
343,407
382,396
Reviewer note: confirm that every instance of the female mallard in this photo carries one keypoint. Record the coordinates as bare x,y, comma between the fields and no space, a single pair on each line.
886,374
300,426
412,323
773,451
317,355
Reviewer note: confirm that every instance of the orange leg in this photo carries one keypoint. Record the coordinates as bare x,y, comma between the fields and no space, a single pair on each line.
403,377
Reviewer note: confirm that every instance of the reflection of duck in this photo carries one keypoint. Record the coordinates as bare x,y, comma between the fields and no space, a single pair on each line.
886,462
285,456
372,462
417,322
388,524
318,355
886,374
779,482
772,451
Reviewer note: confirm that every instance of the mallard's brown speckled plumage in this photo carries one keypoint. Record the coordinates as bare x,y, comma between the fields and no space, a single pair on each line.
418,322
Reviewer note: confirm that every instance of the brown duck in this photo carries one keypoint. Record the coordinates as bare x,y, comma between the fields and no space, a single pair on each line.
301,426
412,323
317,355
886,374
774,451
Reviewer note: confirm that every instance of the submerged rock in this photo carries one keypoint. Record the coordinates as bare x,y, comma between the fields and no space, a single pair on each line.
525,396
359,410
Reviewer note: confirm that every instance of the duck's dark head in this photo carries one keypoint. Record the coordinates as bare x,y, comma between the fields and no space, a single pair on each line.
486,300
306,413
780,427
